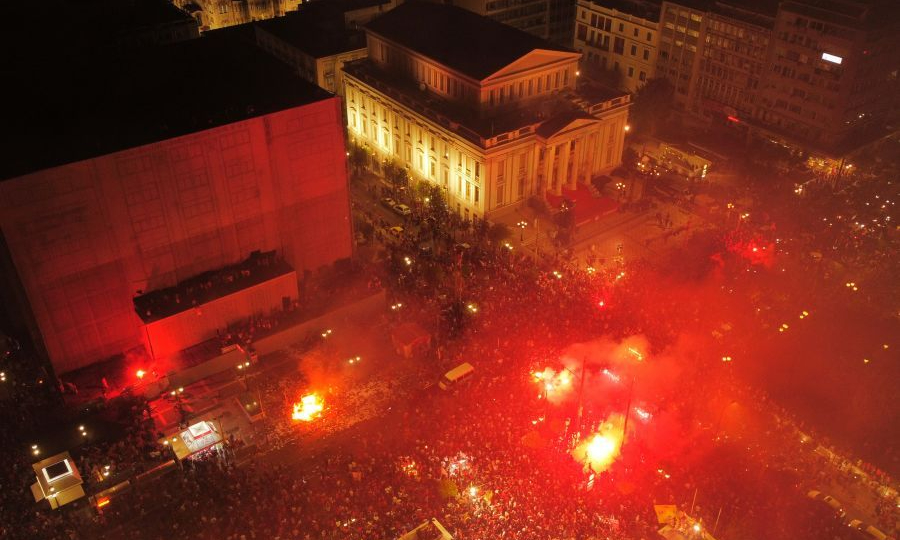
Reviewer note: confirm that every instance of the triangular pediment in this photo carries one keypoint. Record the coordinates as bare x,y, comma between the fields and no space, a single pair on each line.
536,59
558,126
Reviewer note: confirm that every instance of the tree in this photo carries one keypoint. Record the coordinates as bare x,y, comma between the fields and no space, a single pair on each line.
651,106
358,158
565,220
497,233
396,175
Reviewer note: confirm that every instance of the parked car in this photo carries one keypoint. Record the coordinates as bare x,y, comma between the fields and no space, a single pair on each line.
829,500
870,530
401,209
396,231
388,202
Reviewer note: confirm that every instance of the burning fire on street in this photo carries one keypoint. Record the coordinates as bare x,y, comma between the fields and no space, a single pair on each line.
309,408
600,450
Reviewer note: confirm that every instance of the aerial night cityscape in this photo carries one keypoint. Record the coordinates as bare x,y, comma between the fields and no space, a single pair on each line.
450,270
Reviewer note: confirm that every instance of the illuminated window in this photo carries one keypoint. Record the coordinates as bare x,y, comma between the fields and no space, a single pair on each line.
832,58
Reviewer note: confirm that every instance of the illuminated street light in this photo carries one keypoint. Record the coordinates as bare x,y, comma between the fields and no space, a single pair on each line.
522,225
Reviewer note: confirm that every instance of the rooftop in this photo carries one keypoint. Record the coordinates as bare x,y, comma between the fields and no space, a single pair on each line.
861,14
82,110
208,286
318,33
545,115
344,5
645,9
473,45
761,13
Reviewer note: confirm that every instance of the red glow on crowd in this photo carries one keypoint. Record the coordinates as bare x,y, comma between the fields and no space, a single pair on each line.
554,383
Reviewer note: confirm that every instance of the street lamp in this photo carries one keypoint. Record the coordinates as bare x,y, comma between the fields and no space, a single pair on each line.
522,225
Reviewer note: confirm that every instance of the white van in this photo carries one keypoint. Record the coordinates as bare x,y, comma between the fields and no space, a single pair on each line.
455,375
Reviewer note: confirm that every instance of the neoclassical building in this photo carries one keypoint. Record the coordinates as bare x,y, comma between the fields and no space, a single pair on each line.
490,113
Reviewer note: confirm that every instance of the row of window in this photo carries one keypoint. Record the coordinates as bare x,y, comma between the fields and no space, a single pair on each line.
603,23
531,87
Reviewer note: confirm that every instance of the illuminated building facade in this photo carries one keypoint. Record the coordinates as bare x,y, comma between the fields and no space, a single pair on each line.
143,188
214,14
487,112
619,35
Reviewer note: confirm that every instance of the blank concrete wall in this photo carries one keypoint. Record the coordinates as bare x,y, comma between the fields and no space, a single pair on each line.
86,236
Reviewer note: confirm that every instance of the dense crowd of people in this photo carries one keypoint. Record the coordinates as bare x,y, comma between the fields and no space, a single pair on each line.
492,458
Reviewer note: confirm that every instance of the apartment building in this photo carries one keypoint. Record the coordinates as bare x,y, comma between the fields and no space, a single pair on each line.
620,35
833,76
733,61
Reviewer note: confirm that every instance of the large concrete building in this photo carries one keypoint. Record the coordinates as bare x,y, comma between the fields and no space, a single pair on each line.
532,16
200,158
679,49
733,60
320,37
833,73
619,35
547,19
489,113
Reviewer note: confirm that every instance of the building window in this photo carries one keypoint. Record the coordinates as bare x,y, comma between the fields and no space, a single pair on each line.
634,50
630,72
649,36
636,31
223,9
621,27
468,190
646,54
642,76
476,194
499,194
619,45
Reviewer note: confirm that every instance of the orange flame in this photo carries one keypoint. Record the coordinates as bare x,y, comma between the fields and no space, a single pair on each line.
600,450
310,407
